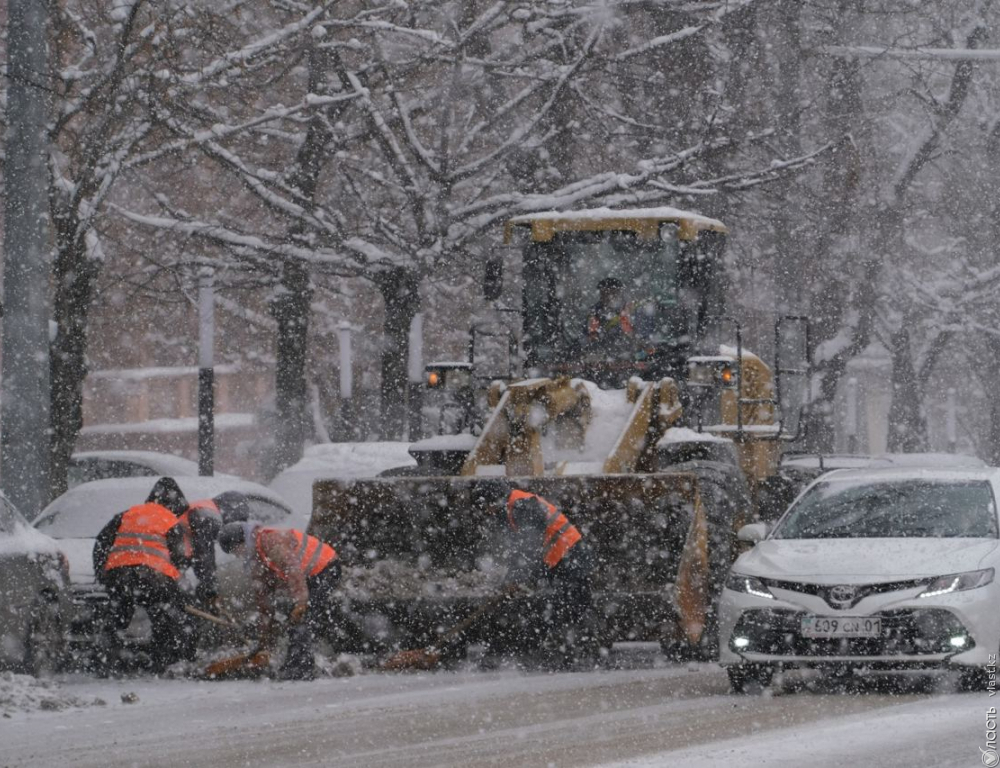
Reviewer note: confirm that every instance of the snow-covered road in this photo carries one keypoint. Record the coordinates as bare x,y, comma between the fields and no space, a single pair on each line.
673,715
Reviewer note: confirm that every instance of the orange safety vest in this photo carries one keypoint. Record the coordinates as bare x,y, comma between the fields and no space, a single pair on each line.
560,534
185,521
313,555
141,539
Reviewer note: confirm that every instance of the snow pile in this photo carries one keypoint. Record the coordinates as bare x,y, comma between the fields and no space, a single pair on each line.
24,693
394,579
609,413
463,442
685,435
345,665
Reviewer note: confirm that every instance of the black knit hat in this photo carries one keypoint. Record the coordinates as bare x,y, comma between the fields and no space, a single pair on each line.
232,536
168,494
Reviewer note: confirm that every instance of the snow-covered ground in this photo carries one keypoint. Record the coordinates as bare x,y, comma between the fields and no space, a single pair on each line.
648,714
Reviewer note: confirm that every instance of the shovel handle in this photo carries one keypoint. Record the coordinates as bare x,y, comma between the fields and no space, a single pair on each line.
486,608
192,611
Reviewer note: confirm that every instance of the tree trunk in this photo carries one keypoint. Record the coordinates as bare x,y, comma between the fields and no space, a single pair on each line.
399,288
75,273
290,308
907,427
991,438
291,305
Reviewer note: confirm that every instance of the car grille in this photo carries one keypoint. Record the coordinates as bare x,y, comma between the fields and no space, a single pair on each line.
908,632
861,591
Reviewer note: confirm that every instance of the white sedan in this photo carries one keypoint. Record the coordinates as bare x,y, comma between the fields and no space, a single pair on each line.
870,569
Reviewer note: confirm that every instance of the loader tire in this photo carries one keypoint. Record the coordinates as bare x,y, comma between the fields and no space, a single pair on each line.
726,500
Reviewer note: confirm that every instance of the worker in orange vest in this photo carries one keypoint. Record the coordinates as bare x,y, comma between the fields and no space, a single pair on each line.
137,557
547,556
200,526
285,560
609,324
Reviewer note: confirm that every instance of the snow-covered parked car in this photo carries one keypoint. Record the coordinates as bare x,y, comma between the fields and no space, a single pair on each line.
75,518
87,466
797,470
870,569
340,461
34,582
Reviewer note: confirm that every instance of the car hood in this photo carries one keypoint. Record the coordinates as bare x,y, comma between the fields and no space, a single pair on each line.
846,561
80,553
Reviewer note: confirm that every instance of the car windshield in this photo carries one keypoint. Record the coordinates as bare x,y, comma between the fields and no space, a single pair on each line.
898,508
82,471
10,518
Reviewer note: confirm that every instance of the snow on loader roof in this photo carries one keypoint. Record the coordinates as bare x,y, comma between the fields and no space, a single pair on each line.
645,222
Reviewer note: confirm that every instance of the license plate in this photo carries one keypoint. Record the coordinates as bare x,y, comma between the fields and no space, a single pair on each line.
841,626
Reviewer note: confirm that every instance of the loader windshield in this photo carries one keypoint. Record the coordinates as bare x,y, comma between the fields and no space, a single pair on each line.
573,315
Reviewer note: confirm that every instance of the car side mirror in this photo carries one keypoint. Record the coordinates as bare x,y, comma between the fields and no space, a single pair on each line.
752,533
493,279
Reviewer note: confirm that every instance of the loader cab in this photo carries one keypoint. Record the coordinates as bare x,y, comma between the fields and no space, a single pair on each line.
612,294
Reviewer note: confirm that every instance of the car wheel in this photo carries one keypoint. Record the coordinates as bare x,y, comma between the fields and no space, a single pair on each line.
749,678
46,644
974,680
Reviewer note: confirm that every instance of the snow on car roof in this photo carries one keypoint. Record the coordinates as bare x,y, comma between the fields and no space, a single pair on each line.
861,460
891,474
337,461
161,462
82,511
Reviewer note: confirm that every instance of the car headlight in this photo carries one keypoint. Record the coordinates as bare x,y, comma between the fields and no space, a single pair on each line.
748,585
958,582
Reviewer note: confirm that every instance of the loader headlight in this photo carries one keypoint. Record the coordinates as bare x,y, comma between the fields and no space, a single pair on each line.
958,582
748,585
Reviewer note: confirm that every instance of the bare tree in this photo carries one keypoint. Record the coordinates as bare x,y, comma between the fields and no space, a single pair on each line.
428,117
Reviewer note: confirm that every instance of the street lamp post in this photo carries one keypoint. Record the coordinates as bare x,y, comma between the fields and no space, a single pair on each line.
206,371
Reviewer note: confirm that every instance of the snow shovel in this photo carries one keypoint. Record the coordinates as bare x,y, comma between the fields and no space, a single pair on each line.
422,659
243,666
220,620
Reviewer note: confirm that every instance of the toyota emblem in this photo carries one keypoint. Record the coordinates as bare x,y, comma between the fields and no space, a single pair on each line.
843,596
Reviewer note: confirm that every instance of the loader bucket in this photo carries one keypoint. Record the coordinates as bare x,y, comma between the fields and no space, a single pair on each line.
414,550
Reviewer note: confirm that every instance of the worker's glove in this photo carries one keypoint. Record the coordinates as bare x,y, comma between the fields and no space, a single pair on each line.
514,589
214,605
298,613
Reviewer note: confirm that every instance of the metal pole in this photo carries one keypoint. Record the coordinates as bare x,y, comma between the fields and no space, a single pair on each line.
346,377
415,369
24,393
851,420
206,371
951,422
346,363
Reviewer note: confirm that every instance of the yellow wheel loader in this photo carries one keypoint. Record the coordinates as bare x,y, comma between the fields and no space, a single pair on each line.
620,403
